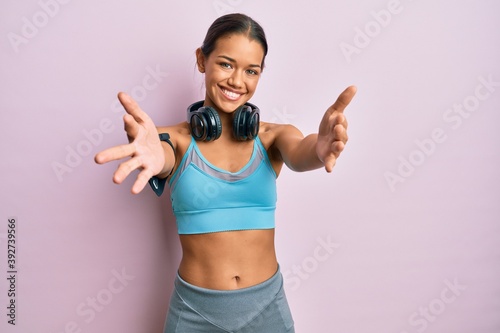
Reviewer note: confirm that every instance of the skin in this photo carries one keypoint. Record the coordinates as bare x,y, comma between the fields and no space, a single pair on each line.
234,259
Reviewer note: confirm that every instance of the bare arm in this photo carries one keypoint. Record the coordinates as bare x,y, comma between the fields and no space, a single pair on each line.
298,152
145,151
316,150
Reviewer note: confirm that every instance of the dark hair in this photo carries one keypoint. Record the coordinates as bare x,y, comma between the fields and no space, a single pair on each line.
234,24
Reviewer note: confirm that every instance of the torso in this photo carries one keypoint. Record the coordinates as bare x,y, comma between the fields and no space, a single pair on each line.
228,260
232,259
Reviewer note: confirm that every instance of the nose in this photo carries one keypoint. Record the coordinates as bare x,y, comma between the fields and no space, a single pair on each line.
236,79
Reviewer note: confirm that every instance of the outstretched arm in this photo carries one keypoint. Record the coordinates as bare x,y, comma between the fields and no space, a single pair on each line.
147,153
316,150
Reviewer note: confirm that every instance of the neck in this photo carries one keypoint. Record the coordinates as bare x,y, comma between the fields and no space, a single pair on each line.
227,125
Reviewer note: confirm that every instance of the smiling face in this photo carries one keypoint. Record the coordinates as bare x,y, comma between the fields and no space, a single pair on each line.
232,71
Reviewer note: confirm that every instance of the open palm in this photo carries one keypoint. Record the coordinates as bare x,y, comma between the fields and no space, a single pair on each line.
144,150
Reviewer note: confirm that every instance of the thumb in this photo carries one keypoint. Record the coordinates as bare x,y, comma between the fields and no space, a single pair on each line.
344,99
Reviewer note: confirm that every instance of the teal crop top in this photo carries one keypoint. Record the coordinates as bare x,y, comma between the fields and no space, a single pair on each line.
207,199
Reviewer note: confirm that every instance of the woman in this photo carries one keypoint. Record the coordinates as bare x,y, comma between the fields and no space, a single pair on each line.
221,166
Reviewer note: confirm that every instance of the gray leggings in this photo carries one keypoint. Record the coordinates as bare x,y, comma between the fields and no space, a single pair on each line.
262,308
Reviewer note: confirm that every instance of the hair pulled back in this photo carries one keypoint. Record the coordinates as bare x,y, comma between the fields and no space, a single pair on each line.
234,24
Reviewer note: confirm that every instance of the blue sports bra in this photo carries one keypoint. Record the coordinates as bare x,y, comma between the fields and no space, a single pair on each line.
207,199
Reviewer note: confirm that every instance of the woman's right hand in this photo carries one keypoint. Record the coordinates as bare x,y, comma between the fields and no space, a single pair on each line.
144,149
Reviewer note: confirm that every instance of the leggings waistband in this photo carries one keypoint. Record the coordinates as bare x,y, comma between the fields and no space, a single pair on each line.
237,302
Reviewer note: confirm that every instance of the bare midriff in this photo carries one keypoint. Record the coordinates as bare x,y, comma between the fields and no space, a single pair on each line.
228,260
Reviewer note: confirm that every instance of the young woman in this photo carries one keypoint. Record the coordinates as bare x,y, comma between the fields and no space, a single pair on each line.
221,166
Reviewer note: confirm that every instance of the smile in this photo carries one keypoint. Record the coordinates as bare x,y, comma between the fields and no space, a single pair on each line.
230,94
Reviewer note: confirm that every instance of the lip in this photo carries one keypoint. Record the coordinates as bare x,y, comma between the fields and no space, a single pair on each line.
230,94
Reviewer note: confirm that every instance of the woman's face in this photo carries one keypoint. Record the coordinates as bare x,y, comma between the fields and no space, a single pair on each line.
232,72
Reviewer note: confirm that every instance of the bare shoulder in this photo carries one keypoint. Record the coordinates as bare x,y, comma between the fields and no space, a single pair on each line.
180,134
274,137
270,133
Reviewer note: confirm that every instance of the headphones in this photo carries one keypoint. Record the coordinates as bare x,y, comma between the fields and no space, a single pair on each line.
205,123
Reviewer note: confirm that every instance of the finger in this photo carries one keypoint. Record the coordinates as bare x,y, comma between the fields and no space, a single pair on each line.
132,108
125,168
344,99
141,181
337,148
335,119
340,134
131,127
114,153
330,163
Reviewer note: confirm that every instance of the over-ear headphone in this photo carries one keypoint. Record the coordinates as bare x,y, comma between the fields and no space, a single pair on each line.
205,123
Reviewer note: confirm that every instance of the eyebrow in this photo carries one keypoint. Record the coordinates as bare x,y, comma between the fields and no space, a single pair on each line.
234,61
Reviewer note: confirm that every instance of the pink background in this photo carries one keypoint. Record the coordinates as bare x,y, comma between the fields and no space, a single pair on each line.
403,236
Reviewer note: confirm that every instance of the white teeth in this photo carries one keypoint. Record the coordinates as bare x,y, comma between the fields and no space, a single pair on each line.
230,94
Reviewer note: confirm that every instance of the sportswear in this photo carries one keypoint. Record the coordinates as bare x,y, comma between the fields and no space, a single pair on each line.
262,308
206,198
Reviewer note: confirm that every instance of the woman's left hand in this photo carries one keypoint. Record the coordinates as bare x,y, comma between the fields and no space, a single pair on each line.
332,134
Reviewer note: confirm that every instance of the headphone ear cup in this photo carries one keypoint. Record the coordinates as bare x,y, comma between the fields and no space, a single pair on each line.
253,124
198,126
239,120
205,124
214,127
246,123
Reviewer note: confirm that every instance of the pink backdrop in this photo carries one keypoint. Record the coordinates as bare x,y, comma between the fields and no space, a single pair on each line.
401,238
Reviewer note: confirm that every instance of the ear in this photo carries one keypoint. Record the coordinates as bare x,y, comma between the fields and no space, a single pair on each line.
200,60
